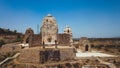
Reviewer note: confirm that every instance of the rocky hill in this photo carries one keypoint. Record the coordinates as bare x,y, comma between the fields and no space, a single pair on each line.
9,36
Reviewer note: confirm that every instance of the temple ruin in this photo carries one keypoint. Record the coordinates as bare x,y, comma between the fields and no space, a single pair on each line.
48,45
48,34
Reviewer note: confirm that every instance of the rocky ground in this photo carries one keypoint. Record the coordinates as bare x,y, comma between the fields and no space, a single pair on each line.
112,55
88,62
65,64
83,59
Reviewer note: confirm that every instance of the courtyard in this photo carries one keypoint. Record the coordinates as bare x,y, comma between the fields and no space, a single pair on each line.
93,54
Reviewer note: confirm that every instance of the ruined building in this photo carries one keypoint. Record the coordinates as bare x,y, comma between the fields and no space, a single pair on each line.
84,44
48,34
68,30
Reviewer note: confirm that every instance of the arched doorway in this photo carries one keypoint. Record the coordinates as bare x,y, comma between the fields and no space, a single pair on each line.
27,40
86,47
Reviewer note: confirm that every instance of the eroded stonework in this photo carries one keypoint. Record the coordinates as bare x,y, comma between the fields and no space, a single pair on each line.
68,30
85,44
39,55
48,34
29,32
49,30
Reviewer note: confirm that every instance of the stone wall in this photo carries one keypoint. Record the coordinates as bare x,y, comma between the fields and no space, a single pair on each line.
29,55
39,55
63,39
67,54
35,40
84,44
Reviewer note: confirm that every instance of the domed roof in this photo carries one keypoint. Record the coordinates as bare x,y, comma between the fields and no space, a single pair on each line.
49,19
67,28
29,29
49,23
49,15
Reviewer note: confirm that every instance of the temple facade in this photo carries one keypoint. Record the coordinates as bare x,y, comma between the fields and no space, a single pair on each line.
49,30
48,34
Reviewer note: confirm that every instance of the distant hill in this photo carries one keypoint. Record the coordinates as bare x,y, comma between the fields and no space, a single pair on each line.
9,36
4,31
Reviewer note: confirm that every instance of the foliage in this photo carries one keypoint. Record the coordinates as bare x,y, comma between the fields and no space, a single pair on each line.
8,32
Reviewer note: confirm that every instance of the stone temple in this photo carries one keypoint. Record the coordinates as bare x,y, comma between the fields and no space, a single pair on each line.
48,45
49,30
48,34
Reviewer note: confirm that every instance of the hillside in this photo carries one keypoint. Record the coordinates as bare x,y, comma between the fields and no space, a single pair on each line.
9,36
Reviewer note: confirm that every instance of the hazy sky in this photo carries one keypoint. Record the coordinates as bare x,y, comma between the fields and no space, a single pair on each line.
88,18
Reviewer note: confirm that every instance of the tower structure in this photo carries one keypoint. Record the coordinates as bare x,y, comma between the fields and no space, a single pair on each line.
49,30
68,30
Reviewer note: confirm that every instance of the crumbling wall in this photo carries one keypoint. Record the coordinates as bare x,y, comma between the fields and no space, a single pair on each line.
35,40
29,56
85,44
63,39
67,54
49,56
39,55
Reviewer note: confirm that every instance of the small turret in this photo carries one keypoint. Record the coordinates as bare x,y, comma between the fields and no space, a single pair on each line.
68,30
